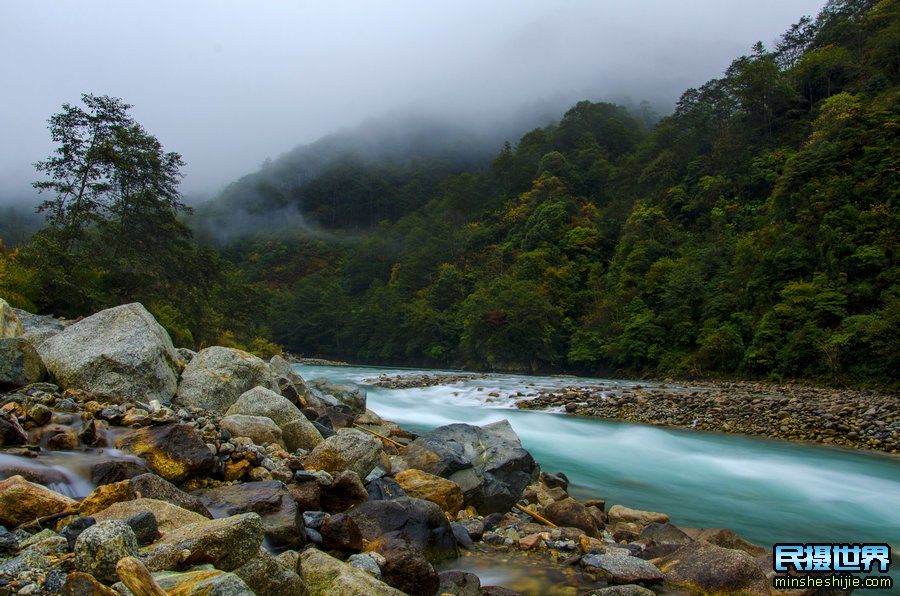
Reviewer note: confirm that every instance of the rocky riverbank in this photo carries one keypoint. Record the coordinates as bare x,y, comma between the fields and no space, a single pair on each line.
420,380
851,418
217,473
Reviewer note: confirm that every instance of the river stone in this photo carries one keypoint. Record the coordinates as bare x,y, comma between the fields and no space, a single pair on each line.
340,532
384,489
405,567
259,429
100,547
152,486
265,575
365,562
621,514
349,449
202,582
665,534
419,522
226,543
12,434
105,495
282,368
617,569
572,514
325,394
84,584
705,568
459,583
217,376
120,355
22,501
108,472
20,363
325,576
298,432
39,328
729,539
487,462
281,519
174,451
626,590
446,494
10,326
168,517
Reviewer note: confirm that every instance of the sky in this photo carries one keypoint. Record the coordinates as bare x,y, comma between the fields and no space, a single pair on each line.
228,84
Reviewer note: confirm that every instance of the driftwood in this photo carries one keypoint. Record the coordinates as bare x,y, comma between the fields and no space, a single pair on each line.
39,522
137,578
543,520
382,437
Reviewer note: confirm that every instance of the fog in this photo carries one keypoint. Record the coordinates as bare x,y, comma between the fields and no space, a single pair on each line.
228,84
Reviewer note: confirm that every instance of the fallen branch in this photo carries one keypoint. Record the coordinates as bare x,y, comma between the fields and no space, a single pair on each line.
382,437
543,520
39,522
137,578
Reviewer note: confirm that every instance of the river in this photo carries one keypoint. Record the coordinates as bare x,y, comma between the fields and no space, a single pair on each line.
766,490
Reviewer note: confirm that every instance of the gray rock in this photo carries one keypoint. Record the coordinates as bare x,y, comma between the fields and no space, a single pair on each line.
420,523
489,463
226,543
20,363
626,590
151,486
27,561
144,526
39,328
326,394
325,576
8,543
459,583
366,563
218,376
10,326
259,429
349,449
705,568
174,451
265,575
99,548
623,570
119,354
74,529
202,582
297,431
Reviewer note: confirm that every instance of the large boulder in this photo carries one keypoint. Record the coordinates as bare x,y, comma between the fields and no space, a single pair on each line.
217,376
226,543
259,429
282,520
119,354
100,547
22,501
10,326
174,451
297,431
20,363
282,369
325,394
419,522
707,568
488,463
422,485
349,449
325,576
39,328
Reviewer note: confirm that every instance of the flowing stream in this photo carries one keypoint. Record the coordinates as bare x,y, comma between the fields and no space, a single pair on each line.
766,490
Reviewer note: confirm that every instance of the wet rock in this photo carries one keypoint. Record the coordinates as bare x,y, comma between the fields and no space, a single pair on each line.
498,591
109,472
340,532
475,528
619,513
326,576
202,582
488,463
119,354
11,433
349,449
99,548
617,569
259,429
22,501
216,377
419,522
226,543
463,538
176,452
265,575
20,363
346,491
555,480
665,534
405,567
281,519
74,528
152,486
105,495
705,567
84,584
626,590
446,494
728,539
459,583
168,517
296,430
570,513
57,437
384,489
